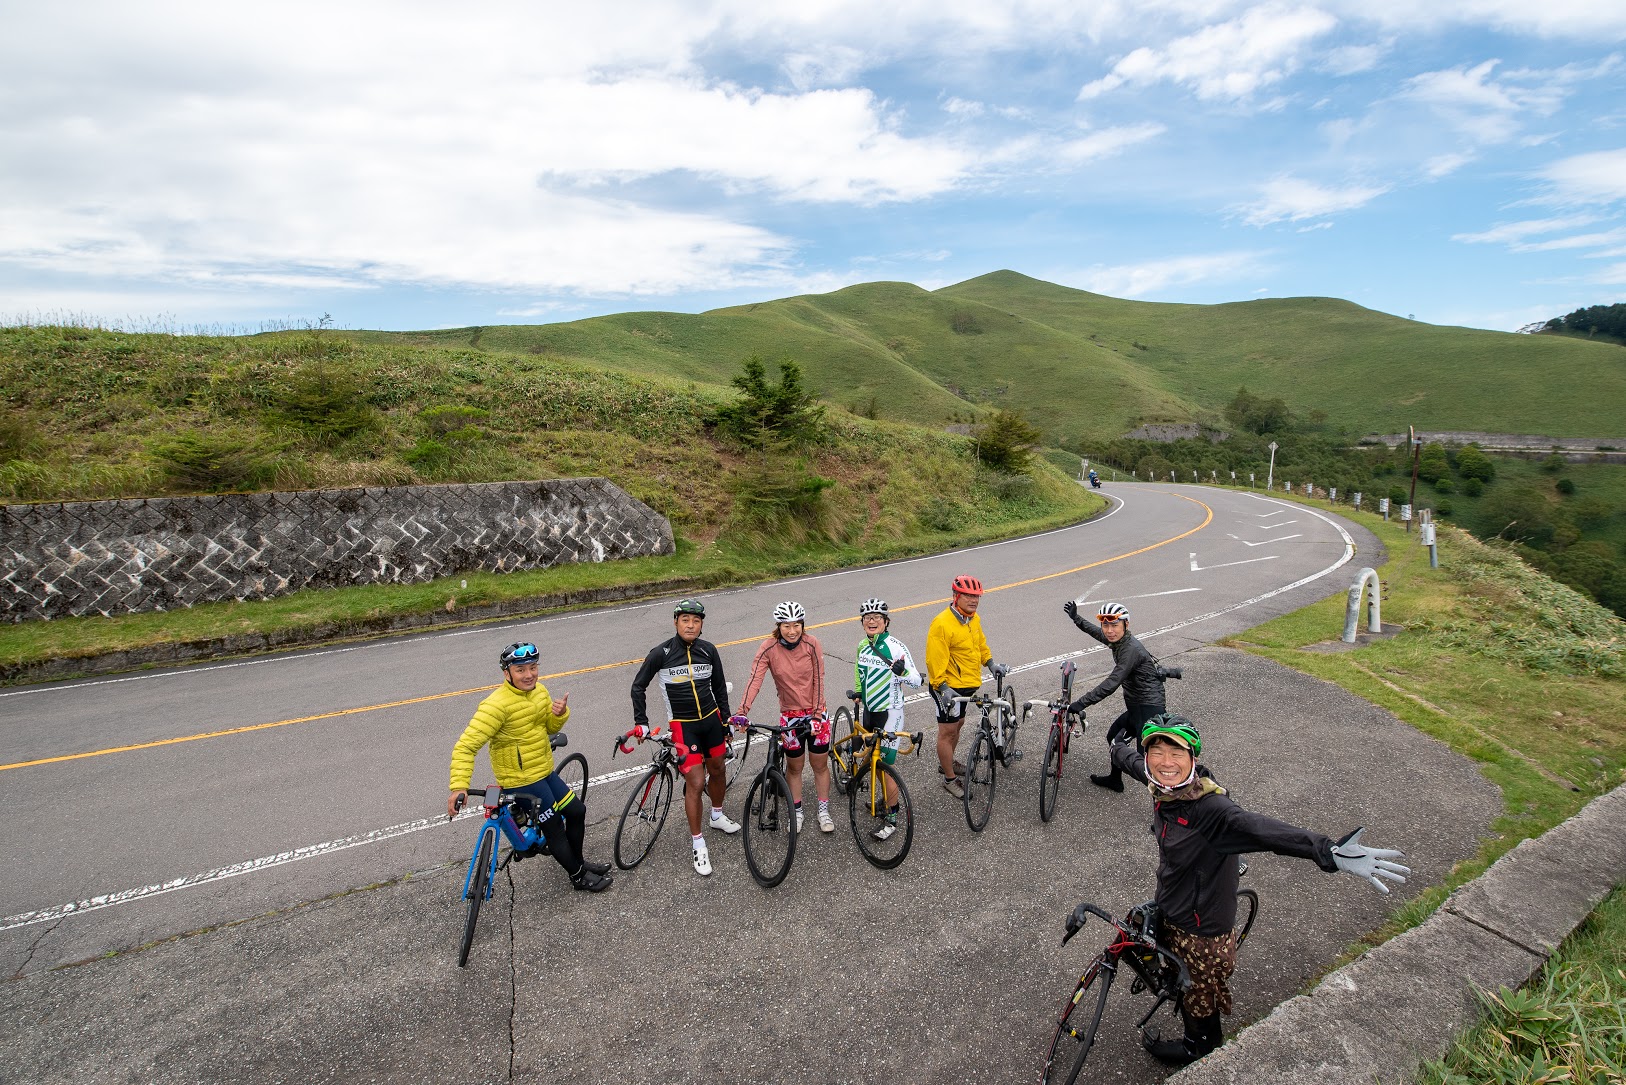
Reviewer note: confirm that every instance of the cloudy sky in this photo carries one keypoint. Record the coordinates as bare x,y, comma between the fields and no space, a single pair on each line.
416,165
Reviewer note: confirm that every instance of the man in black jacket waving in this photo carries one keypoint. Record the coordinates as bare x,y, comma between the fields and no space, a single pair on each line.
1200,832
1134,669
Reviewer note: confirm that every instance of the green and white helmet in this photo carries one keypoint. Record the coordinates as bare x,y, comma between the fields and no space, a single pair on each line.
1177,729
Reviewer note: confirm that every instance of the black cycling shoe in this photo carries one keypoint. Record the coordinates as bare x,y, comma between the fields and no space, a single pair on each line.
592,883
1174,1052
1112,781
601,869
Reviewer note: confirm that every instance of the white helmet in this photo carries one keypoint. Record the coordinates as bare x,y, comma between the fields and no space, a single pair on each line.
1113,610
789,612
872,606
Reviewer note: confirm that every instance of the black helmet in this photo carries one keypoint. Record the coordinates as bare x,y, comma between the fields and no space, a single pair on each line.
521,651
689,606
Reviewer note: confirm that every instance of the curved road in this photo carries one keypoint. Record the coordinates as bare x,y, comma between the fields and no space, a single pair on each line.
165,802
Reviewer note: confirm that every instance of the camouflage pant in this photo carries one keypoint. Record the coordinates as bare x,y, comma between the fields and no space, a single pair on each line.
1210,962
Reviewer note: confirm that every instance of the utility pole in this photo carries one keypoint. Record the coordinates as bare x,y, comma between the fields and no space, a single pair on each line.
1272,472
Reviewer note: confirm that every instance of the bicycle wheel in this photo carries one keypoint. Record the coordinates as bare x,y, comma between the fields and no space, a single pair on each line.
1050,779
1247,910
735,766
1011,720
770,828
643,817
844,747
979,782
573,771
1071,1044
883,836
476,892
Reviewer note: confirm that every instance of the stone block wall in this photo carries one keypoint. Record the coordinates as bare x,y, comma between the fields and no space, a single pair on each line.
122,557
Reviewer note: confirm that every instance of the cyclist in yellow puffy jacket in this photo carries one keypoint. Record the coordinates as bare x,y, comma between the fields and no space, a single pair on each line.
517,720
956,652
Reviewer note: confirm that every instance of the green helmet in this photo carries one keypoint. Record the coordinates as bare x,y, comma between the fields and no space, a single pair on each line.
1177,729
689,606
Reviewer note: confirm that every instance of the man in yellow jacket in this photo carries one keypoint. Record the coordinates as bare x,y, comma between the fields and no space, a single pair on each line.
517,720
956,652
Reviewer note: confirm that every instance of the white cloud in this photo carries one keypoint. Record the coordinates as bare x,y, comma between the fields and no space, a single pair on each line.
1293,200
1443,165
1108,141
1518,231
1598,177
1576,241
1230,60
1353,59
1155,276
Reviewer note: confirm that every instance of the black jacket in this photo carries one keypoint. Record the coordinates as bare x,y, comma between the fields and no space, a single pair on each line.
1200,831
691,680
1133,668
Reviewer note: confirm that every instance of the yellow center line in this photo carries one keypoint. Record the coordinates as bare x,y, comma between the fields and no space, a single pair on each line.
1207,519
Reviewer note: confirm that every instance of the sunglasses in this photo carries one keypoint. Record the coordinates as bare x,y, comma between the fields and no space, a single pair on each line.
524,653
1105,620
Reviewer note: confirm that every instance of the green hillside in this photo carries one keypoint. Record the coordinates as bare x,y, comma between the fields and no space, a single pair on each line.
1083,366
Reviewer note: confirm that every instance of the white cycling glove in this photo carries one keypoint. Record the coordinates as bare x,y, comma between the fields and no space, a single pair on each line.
1356,858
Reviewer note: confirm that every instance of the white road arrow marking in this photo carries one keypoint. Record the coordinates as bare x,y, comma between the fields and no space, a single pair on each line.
1226,564
1267,542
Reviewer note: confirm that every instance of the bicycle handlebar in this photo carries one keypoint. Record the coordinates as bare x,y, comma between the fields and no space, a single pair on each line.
1075,923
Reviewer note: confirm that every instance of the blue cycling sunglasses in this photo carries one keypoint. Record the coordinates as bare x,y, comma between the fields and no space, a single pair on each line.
519,653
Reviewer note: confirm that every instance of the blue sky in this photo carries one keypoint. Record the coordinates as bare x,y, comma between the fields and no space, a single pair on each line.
410,165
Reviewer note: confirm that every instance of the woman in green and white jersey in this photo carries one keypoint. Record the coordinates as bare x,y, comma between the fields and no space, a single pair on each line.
883,668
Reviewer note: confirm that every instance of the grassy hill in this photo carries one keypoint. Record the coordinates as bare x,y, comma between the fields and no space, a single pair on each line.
1086,366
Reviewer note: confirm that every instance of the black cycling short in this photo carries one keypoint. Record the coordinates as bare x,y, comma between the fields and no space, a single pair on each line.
700,739
947,710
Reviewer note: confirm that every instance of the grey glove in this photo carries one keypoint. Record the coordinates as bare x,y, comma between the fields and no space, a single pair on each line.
1356,858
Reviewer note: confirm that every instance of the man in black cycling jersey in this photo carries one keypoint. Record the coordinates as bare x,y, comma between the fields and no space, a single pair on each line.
691,679
1133,668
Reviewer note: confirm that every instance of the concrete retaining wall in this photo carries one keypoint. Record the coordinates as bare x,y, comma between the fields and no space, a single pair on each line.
1377,1018
121,557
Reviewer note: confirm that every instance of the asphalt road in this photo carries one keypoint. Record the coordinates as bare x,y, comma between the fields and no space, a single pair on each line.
946,967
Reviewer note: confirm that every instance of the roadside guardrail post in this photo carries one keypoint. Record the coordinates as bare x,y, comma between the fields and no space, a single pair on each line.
1352,611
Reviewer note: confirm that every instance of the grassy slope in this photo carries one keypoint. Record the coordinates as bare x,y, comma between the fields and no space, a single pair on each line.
1081,364
1369,371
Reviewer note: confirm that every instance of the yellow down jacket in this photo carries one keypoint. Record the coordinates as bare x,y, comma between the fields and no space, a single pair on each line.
517,726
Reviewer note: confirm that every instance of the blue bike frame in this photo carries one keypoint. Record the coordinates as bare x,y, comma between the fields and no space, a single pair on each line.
498,817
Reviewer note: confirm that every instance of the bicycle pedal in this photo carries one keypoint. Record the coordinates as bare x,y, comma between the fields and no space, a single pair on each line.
1014,755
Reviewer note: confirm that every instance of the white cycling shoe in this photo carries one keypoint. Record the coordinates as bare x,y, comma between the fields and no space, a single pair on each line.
702,862
826,825
720,820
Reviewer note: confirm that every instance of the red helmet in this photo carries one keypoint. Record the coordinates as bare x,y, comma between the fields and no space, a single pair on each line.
967,585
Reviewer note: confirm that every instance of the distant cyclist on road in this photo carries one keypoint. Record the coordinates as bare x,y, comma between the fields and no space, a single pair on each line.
796,661
956,652
691,679
516,720
1133,668
1200,831
883,668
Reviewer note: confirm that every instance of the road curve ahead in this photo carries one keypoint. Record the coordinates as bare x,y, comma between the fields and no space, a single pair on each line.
167,801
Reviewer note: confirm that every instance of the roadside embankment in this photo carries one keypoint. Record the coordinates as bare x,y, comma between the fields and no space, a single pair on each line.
1379,1017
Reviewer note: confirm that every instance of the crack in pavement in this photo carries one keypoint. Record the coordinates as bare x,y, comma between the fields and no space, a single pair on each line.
32,949
513,977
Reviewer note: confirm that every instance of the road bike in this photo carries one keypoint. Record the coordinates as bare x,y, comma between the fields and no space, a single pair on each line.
1063,725
858,768
1134,943
524,835
644,814
995,743
769,821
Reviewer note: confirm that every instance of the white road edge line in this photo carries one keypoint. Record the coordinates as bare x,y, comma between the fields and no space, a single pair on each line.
311,851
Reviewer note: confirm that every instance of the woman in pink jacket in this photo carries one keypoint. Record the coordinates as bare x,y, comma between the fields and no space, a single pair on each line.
796,661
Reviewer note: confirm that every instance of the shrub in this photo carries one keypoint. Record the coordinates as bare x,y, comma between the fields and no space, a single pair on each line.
20,439
1005,442
782,412
1554,463
1434,464
323,402
1398,496
776,496
1444,507
1565,486
941,514
224,458
965,322
1472,463
1444,485
1473,487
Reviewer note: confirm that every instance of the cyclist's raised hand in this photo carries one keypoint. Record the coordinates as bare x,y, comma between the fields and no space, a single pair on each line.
454,803
1356,858
899,666
1071,607
561,704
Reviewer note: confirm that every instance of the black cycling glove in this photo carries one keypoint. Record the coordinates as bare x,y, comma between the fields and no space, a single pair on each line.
899,666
